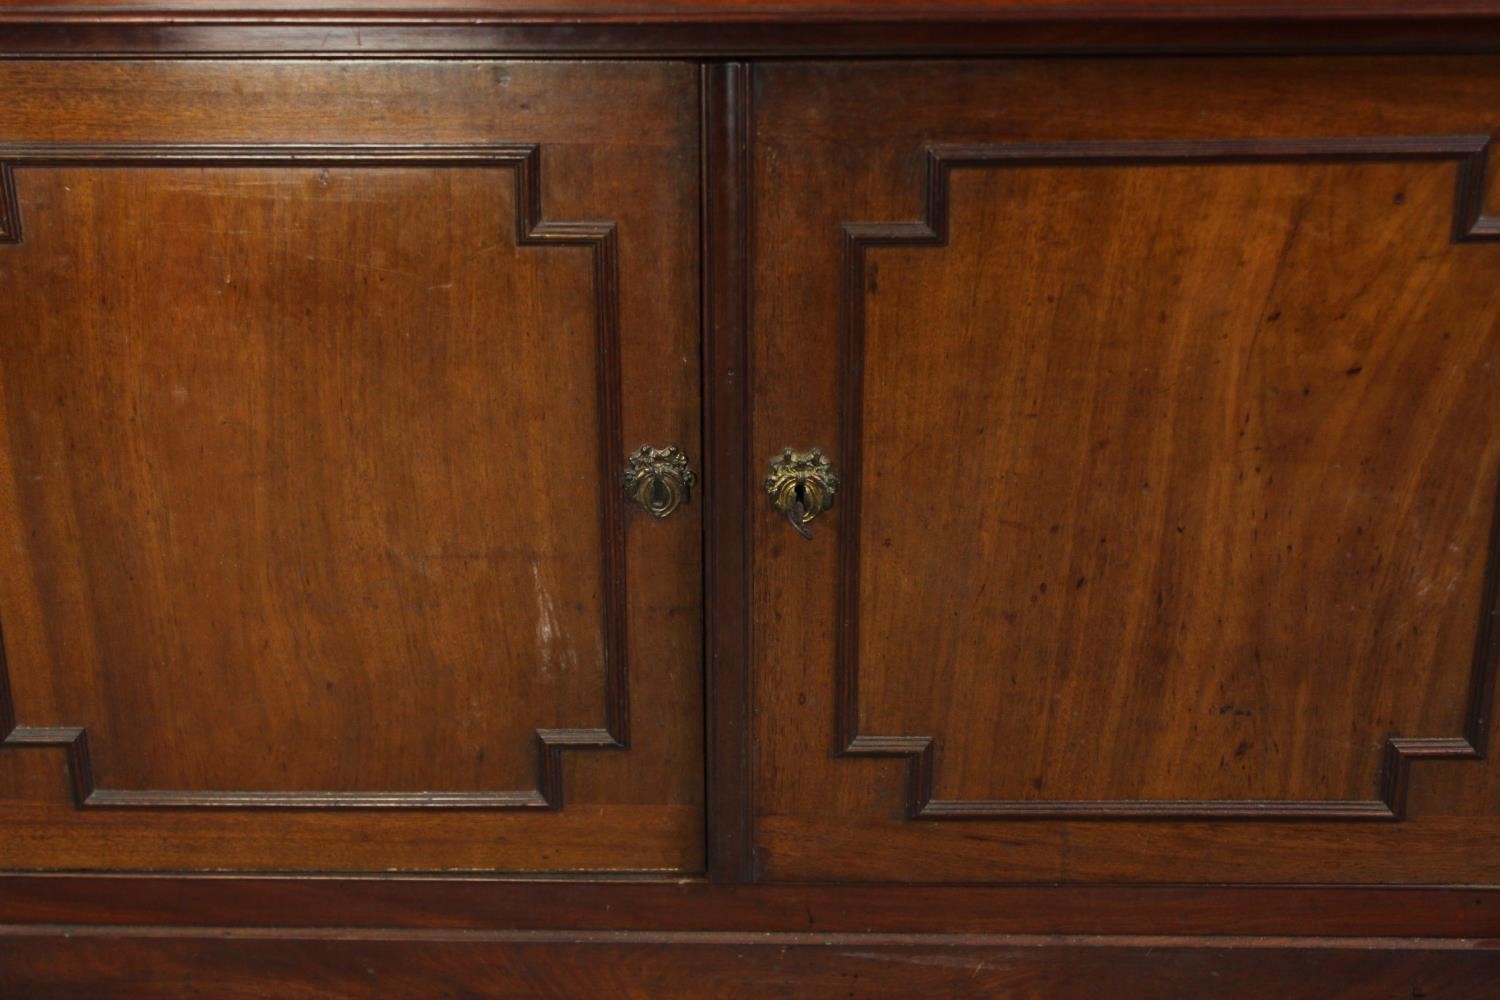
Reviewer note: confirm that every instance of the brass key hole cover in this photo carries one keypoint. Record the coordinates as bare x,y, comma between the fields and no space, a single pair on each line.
658,479
801,486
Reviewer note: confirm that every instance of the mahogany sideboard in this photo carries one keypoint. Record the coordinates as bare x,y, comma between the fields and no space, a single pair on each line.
756,498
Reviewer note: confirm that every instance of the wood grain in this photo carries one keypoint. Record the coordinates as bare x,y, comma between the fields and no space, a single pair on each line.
485,903
462,29
906,616
10,214
151,963
709,10
726,417
243,790
1149,511
258,575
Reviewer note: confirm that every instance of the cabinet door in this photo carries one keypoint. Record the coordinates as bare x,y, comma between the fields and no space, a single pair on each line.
317,386
1161,396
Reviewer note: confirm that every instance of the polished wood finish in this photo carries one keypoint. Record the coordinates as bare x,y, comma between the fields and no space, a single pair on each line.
439,604
874,240
176,36
904,616
633,904
151,964
726,418
736,30
254,577
781,11
1167,482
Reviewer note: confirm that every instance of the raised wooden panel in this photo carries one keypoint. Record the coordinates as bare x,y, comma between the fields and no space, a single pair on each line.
1168,479
1214,642
156,461
312,455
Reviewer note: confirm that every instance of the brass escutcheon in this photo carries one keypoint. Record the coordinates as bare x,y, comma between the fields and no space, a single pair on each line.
658,479
801,486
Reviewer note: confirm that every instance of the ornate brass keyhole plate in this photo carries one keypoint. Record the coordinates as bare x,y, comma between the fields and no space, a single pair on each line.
801,486
659,479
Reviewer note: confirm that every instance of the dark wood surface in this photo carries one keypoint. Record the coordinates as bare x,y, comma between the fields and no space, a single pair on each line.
251,581
730,486
446,903
1376,160
175,36
1168,481
734,10
703,28
308,964
73,935
1144,475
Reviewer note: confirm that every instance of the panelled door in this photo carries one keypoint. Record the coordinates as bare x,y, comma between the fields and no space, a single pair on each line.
1160,399
318,387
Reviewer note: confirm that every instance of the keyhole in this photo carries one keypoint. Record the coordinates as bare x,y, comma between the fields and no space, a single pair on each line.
798,510
660,495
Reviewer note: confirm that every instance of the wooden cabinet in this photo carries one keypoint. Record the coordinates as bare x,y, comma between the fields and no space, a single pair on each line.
1072,557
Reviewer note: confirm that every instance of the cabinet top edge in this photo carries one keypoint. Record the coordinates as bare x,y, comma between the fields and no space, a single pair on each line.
727,12
736,29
